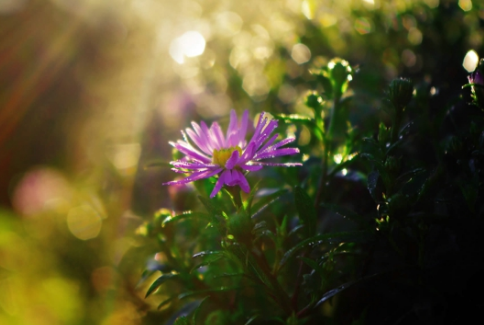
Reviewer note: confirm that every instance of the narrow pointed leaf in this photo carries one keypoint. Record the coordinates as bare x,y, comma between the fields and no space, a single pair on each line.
186,215
253,318
345,212
320,239
266,201
213,290
158,282
167,301
197,310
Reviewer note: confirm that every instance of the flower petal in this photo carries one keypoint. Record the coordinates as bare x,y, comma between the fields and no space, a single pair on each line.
196,176
248,152
232,128
197,129
207,136
191,152
269,143
232,161
273,164
239,179
198,141
217,135
266,148
222,179
191,164
276,153
266,132
251,168
260,125
238,130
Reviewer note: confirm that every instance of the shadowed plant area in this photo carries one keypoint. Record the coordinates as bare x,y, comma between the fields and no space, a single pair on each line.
259,162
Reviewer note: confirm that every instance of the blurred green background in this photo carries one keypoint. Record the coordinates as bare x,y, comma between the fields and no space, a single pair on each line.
91,92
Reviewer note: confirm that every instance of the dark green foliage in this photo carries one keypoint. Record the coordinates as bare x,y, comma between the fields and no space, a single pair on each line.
381,225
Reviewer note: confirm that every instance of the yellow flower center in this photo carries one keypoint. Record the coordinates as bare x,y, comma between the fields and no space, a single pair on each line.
221,156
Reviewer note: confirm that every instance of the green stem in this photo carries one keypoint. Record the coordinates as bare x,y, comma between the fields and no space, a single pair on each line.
236,196
397,121
328,149
281,295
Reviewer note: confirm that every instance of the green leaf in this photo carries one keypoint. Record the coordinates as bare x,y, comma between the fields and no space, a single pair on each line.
331,293
373,186
213,290
304,120
314,265
353,236
182,320
206,253
295,230
266,201
345,213
185,215
409,174
197,310
210,206
230,275
182,314
158,282
306,211
167,301
294,118
211,257
253,318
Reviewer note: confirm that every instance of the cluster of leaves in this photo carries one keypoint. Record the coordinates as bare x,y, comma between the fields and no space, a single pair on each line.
380,226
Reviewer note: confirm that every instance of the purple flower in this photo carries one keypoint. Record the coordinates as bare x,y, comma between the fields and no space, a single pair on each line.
231,155
476,78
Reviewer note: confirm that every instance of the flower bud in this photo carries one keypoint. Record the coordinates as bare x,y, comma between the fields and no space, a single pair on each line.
313,101
400,92
340,73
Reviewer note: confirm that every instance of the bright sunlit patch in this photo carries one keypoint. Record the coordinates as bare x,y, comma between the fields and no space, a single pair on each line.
229,23
338,158
327,20
470,61
84,222
255,84
126,155
189,45
465,5
344,171
300,53
307,9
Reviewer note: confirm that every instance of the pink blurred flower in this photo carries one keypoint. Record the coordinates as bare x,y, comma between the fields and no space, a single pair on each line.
231,155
